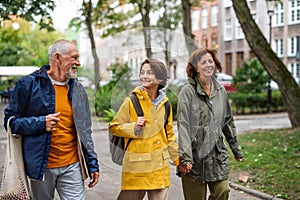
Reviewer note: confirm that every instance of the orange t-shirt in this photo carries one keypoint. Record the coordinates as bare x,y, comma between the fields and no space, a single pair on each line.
63,148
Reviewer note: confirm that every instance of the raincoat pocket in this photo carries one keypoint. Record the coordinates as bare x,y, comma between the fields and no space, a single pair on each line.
139,157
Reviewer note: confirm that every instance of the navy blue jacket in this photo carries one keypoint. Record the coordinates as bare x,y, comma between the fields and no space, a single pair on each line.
34,98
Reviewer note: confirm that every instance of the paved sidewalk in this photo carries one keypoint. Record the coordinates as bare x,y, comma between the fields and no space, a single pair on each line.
109,186
109,183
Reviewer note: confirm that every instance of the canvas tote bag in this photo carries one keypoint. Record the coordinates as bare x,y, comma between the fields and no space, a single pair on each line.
14,184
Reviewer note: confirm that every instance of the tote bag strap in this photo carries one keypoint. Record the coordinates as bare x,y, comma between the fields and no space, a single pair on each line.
10,151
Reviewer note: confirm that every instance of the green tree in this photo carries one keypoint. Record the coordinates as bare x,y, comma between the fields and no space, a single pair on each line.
25,46
251,77
274,66
37,11
10,46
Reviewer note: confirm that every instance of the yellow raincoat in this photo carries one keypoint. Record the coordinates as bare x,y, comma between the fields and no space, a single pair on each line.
146,162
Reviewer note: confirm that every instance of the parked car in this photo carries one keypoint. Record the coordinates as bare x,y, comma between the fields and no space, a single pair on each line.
226,80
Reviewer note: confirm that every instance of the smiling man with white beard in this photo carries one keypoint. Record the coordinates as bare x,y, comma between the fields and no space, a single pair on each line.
51,111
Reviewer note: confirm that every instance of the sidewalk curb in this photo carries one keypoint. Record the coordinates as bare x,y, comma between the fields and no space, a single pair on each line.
253,192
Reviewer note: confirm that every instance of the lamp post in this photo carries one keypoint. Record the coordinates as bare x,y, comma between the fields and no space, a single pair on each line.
270,7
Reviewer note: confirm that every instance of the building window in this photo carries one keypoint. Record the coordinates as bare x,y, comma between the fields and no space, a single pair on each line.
228,30
278,17
214,41
204,18
292,46
204,42
214,16
195,20
294,7
294,69
228,63
239,34
239,59
254,17
278,47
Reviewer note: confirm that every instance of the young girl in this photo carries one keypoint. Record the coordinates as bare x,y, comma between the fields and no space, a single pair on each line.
146,167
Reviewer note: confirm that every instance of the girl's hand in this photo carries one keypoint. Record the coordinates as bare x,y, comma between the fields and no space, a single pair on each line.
140,123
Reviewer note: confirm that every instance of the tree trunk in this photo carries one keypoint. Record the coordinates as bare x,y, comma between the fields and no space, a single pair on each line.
290,91
166,38
88,21
145,10
187,28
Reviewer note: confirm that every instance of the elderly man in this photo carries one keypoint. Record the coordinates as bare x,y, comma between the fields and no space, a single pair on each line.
51,112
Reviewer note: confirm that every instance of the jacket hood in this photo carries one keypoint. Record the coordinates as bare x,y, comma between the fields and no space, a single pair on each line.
142,94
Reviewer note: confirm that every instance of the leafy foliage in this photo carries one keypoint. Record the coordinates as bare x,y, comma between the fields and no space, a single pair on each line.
24,46
251,96
37,11
251,77
111,95
10,46
109,115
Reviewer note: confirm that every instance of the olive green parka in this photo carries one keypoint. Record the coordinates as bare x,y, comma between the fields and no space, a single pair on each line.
146,164
204,123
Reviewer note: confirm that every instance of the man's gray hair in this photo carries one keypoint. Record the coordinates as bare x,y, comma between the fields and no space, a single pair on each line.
60,46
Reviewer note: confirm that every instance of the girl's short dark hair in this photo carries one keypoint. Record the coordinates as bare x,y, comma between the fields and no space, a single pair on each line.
159,69
191,68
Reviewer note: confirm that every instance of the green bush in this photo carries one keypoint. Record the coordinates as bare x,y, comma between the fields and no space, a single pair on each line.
173,99
111,95
243,103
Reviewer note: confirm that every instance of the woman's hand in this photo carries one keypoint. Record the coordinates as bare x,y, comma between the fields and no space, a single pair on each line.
185,168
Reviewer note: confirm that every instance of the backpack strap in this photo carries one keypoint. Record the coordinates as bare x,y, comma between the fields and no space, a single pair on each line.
167,114
136,104
139,112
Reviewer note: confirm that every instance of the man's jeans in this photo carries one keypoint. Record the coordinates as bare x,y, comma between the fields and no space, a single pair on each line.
67,181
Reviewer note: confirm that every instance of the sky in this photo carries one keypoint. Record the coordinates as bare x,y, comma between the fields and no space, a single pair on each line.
64,11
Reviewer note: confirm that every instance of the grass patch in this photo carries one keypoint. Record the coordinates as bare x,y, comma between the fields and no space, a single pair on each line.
272,162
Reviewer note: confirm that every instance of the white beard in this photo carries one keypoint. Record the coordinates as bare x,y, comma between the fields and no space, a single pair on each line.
70,73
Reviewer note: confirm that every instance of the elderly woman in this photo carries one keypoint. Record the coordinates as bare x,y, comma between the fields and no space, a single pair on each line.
146,167
204,122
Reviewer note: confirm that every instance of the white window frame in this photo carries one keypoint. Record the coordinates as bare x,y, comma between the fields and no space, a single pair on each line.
228,29
204,18
294,12
294,69
214,15
292,46
254,17
239,34
278,47
278,17
195,20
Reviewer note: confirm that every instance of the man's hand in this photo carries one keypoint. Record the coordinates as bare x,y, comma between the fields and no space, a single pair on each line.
94,179
51,121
